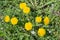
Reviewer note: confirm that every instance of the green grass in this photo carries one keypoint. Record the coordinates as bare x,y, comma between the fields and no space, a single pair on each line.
50,8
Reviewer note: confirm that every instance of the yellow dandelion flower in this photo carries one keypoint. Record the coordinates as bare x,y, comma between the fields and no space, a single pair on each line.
41,32
28,26
26,10
22,5
38,19
46,20
7,18
14,20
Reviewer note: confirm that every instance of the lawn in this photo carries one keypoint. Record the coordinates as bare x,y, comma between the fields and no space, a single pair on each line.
29,19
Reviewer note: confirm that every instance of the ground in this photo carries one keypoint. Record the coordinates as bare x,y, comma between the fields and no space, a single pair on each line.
49,8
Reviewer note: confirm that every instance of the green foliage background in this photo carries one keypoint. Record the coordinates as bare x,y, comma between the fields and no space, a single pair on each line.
50,8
